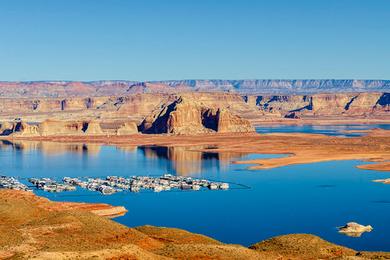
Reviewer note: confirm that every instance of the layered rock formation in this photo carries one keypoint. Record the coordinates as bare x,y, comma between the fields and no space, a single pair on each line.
187,116
92,128
51,128
228,123
19,128
137,107
128,128
346,104
115,88
65,128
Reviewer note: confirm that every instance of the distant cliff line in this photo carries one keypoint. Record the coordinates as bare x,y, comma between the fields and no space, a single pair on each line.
122,87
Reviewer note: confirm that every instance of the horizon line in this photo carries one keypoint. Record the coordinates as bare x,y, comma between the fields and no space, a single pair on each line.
194,79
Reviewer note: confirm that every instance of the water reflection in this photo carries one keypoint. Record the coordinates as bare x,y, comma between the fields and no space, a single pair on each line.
186,161
347,130
50,148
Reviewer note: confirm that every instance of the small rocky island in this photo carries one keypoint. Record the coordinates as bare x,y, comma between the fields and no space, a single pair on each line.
353,229
384,181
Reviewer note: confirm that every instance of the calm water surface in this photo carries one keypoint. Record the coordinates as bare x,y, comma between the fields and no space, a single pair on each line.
312,198
334,130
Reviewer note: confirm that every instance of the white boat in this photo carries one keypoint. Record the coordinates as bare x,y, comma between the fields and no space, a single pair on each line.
157,188
213,186
106,190
195,187
224,186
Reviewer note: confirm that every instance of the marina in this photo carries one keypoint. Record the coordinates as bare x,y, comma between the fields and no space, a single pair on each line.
12,183
114,184
50,185
166,182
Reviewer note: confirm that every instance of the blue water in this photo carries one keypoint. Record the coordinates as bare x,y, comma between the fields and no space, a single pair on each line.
333,130
311,198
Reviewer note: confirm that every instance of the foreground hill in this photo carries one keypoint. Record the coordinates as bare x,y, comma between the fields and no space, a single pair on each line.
121,87
35,228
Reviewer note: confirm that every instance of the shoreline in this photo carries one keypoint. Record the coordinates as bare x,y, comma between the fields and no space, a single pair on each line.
321,121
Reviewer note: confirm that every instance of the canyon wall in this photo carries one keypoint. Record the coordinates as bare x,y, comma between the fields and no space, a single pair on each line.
180,113
323,105
53,89
62,128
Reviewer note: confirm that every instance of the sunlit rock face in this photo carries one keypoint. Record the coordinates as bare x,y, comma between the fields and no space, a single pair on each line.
52,128
135,107
190,116
128,128
65,128
339,104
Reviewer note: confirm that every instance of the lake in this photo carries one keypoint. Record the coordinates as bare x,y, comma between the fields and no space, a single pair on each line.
312,198
346,130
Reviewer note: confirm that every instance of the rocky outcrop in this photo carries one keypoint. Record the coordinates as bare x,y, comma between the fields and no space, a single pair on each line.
54,127
319,105
136,107
6,128
24,129
128,128
354,229
51,128
187,116
179,117
229,123
19,128
92,128
384,181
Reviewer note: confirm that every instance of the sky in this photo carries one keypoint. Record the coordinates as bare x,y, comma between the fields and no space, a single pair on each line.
194,39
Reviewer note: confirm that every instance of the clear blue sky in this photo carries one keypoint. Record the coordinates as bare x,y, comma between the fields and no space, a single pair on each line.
194,39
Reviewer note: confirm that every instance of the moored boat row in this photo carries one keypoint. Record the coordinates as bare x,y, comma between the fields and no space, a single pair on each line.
166,182
50,185
12,183
113,184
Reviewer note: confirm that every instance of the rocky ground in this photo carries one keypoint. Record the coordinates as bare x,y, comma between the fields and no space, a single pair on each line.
35,228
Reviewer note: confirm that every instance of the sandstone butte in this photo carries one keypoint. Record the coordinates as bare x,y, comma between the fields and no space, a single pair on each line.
188,116
36,228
